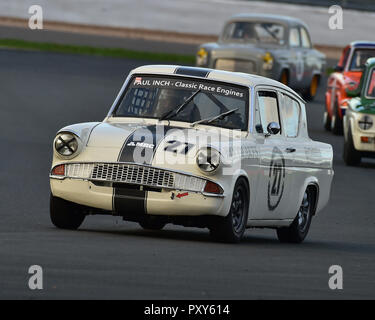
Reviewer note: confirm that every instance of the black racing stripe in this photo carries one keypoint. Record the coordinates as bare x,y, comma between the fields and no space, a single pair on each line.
141,142
195,72
129,202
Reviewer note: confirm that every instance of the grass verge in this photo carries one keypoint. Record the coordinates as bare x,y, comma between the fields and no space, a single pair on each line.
104,52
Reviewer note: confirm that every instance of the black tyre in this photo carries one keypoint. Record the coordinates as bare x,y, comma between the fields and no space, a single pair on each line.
65,214
351,156
298,230
309,93
152,223
232,227
327,121
336,121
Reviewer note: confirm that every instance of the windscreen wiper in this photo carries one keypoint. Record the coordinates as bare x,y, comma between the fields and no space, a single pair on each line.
174,112
220,116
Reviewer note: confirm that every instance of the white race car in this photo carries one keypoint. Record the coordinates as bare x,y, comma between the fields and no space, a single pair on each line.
195,147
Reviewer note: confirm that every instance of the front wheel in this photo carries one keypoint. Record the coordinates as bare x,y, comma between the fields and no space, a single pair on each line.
65,214
232,227
310,92
336,121
327,121
351,156
298,230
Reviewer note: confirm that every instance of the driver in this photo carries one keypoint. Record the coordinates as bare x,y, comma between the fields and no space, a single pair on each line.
249,32
171,99
361,58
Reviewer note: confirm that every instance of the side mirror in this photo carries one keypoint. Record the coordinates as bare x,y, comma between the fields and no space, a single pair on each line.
338,69
273,128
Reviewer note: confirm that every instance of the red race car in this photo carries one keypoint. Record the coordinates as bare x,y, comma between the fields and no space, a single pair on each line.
347,75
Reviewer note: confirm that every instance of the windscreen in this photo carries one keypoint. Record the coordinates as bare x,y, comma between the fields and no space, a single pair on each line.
171,98
371,85
255,32
359,58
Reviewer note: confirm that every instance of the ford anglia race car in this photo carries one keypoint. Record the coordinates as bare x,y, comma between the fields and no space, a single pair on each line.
273,46
359,128
194,147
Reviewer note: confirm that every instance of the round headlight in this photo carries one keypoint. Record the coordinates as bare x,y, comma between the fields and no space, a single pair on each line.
365,122
267,61
208,160
66,144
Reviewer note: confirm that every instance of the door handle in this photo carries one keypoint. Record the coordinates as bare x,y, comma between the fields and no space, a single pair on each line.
290,150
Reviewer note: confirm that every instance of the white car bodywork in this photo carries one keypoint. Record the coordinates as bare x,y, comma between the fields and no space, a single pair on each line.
301,162
351,122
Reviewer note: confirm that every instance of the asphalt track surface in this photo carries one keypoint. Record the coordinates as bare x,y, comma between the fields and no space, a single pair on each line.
111,259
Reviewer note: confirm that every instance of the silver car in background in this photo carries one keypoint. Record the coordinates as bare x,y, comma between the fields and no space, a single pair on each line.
276,47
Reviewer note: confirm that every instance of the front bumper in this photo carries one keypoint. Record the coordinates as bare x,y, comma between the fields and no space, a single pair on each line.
120,187
244,64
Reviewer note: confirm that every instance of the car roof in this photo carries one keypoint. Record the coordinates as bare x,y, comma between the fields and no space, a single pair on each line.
362,43
267,17
245,79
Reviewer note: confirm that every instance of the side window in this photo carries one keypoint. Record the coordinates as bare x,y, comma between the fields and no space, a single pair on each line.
291,115
294,38
306,43
139,101
268,110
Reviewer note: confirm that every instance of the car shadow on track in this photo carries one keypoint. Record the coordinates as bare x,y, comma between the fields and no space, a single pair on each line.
309,245
196,235
367,164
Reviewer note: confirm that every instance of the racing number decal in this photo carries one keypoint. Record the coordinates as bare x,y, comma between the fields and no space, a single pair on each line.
276,176
178,147
276,181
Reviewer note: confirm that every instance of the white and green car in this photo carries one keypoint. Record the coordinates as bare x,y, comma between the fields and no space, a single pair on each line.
359,119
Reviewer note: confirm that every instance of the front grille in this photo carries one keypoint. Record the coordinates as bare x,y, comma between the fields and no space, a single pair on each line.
134,174
235,65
